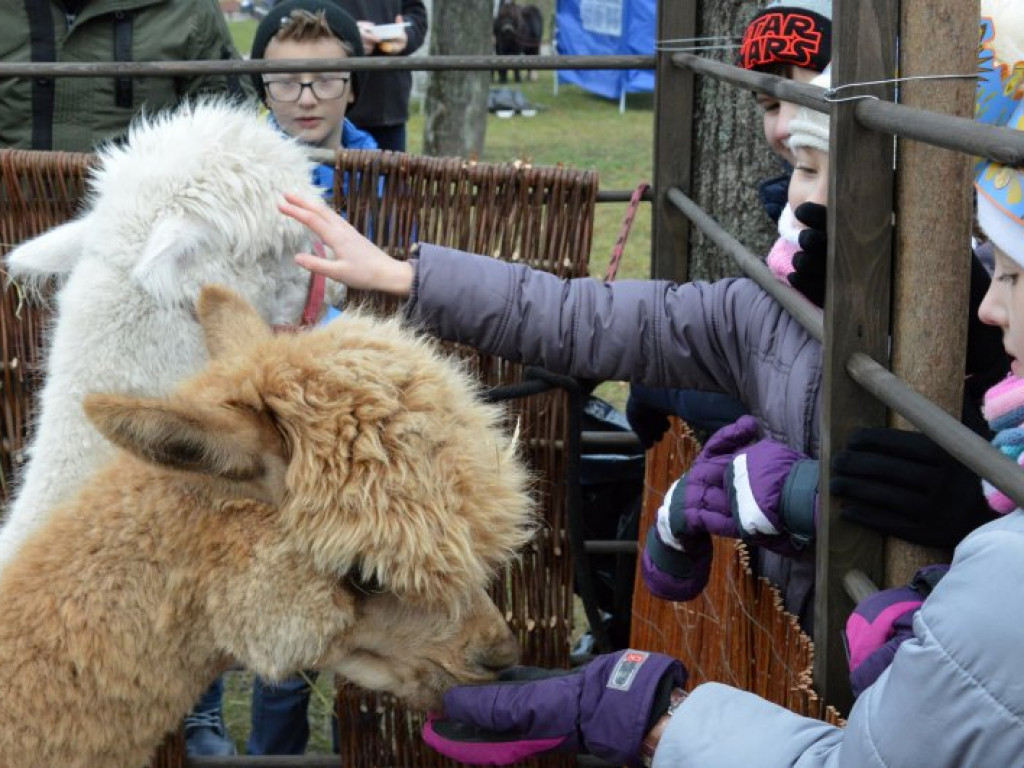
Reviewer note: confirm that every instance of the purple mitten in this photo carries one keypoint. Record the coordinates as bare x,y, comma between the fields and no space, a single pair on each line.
604,708
881,623
773,496
676,561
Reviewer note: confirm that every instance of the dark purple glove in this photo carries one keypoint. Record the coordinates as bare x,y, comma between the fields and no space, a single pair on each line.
604,708
773,496
676,561
810,262
881,623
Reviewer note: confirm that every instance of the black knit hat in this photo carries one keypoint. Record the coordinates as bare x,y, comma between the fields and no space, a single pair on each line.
797,32
342,25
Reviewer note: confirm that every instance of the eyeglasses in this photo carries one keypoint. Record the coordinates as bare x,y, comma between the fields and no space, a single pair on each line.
324,88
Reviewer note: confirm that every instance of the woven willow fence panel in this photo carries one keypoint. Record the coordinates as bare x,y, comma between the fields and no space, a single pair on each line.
539,216
736,632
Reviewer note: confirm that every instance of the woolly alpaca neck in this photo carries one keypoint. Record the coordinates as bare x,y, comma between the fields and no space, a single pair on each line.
104,645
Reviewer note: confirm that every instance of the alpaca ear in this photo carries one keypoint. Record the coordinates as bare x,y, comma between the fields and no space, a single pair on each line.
51,255
171,260
181,435
230,323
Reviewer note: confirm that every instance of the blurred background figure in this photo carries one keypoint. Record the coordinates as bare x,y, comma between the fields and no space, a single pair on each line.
383,109
75,114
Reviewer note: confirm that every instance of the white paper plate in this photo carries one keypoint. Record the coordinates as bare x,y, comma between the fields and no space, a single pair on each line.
389,31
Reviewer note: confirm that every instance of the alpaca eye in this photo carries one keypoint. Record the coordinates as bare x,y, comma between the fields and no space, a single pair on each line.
357,582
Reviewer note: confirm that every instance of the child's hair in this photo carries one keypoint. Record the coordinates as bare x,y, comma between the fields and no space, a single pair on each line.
302,26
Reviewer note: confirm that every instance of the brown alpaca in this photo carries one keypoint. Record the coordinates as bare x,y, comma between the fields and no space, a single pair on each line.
332,500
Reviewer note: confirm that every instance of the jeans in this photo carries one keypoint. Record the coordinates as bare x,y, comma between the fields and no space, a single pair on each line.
279,722
211,698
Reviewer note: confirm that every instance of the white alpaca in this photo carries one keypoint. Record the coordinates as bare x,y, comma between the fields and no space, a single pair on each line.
190,199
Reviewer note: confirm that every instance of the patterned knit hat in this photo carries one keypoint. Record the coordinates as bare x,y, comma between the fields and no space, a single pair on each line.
797,32
808,127
1000,61
1001,200
341,23
1000,101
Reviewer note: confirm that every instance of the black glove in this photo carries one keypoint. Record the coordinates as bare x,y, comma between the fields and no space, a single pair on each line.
811,261
902,484
647,411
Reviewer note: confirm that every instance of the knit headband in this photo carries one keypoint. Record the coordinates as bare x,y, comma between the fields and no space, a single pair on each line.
809,128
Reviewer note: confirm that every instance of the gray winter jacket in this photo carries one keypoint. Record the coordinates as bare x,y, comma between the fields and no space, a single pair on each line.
953,696
728,336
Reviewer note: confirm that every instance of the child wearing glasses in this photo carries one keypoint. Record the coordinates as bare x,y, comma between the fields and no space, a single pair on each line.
310,107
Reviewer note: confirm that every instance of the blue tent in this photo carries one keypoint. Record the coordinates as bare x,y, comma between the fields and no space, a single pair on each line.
607,27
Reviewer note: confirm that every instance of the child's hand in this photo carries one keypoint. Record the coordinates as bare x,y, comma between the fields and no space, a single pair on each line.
357,262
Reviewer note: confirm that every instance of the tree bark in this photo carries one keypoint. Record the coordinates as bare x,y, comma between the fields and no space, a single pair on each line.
933,231
455,122
730,155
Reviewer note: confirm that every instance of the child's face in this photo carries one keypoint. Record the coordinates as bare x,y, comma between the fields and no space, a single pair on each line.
809,183
1003,306
312,120
779,114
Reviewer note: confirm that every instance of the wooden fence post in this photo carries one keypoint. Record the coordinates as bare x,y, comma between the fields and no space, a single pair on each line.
856,311
673,134
933,227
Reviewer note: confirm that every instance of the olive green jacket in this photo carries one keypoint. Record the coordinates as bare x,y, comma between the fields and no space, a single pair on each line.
73,113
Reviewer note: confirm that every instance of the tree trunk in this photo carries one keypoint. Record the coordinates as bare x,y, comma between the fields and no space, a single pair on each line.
456,108
730,155
933,204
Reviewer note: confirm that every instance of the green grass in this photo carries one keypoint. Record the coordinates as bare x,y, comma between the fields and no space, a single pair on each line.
242,33
575,129
580,130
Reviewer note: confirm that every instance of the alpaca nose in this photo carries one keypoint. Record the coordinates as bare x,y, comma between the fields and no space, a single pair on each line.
502,653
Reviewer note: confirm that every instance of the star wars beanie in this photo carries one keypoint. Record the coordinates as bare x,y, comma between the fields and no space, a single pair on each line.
341,24
797,32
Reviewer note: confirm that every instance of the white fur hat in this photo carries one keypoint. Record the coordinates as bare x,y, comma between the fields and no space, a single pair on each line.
810,128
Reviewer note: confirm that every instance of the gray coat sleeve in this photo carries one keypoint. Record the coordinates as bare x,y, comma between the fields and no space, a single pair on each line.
693,335
953,696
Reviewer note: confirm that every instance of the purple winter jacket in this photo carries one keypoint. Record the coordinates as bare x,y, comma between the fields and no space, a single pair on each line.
728,336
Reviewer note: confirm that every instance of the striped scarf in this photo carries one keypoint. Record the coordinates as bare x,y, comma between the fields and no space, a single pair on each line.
1004,410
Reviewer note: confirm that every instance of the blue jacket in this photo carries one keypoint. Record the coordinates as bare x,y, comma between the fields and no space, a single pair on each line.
351,138
952,698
